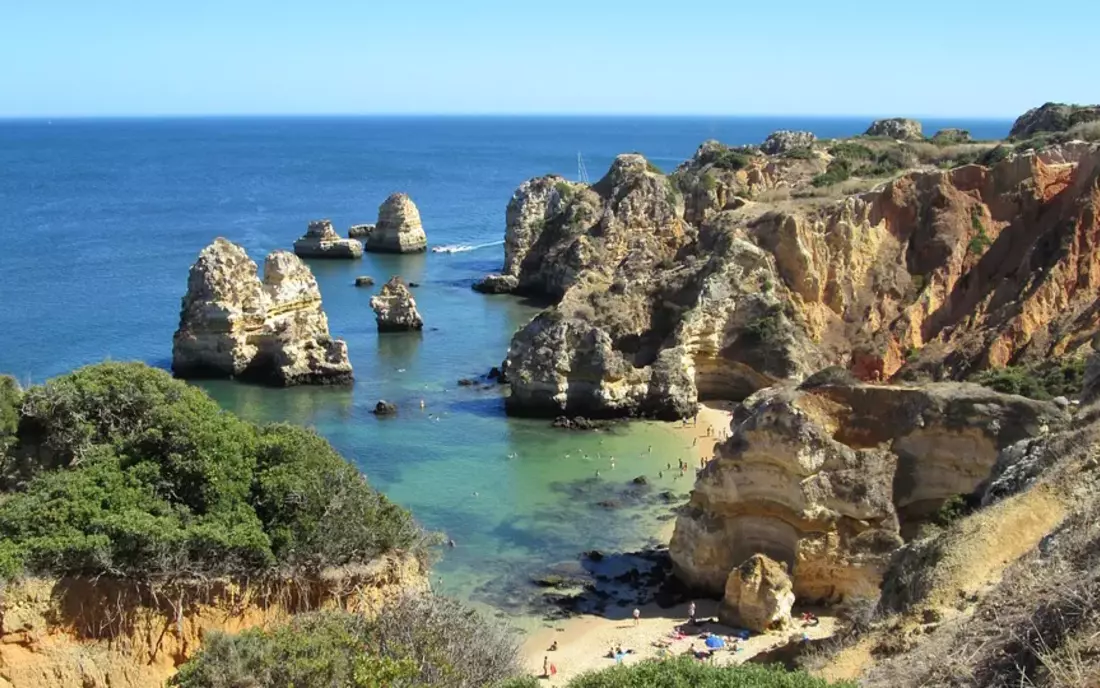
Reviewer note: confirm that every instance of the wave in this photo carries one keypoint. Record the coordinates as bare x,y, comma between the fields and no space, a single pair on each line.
463,248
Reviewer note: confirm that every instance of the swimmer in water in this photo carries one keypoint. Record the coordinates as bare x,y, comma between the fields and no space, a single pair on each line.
421,403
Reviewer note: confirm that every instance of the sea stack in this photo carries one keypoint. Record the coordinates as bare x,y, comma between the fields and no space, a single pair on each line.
395,308
274,331
398,229
322,241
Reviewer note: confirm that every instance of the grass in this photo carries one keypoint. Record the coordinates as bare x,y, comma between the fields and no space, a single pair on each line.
1044,380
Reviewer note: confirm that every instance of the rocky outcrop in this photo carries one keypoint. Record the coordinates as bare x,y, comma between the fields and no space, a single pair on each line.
398,229
784,141
274,331
828,480
935,274
896,128
758,596
364,281
395,308
360,231
322,241
1052,117
496,284
951,136
103,633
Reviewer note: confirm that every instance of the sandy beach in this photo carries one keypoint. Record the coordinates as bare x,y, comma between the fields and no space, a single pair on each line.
584,642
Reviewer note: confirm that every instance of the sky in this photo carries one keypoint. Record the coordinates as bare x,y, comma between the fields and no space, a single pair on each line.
960,58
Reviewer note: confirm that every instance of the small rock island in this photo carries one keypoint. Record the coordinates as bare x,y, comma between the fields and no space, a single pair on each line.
274,331
395,308
322,241
398,229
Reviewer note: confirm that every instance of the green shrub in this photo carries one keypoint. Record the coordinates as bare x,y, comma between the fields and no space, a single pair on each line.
417,640
121,470
683,672
805,153
1045,380
994,156
708,182
980,242
11,398
565,190
728,158
839,170
851,151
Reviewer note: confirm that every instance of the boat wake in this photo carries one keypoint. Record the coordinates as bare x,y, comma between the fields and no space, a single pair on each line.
462,248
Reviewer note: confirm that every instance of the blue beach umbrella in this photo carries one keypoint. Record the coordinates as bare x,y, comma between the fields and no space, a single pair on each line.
714,642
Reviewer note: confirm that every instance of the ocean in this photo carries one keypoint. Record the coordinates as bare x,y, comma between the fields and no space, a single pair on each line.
100,220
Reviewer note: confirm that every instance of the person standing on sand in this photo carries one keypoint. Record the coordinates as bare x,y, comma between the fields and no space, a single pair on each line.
546,666
691,613
637,616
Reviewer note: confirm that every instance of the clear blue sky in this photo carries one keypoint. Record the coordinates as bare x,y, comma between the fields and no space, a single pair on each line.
154,57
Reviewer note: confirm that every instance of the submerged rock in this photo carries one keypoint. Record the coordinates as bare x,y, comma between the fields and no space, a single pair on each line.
395,308
274,331
322,241
364,281
758,596
896,128
384,408
398,229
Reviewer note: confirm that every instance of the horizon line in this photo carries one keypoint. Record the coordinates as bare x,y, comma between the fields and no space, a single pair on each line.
490,115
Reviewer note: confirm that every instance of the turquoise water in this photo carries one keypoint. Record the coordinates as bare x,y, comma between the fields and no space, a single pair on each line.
100,220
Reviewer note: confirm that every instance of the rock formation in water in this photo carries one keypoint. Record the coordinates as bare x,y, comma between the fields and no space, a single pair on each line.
496,284
674,289
398,229
896,128
322,241
360,231
274,331
364,281
395,308
758,596
1053,117
784,141
828,480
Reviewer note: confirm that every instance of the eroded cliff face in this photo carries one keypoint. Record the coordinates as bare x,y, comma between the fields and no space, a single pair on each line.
79,633
939,273
274,331
829,479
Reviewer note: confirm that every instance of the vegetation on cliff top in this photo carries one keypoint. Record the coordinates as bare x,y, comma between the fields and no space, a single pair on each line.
417,640
1043,381
119,469
686,671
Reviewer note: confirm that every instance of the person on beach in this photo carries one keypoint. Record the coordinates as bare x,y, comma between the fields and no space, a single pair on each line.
546,666
637,616
691,613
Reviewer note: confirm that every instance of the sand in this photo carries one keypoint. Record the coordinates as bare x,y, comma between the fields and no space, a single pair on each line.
584,641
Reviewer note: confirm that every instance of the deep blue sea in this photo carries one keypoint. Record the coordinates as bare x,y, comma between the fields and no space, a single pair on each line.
100,220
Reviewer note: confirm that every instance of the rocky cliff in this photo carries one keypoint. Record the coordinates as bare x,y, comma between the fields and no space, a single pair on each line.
398,229
322,241
829,480
672,289
274,331
1053,117
80,633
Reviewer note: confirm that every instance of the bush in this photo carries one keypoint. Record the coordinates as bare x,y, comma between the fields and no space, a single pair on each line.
839,170
119,469
684,671
851,151
415,641
806,153
565,190
11,398
981,241
727,158
994,156
1045,380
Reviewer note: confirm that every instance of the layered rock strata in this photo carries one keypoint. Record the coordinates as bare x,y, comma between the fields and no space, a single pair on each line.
322,241
273,331
398,229
665,295
395,308
827,480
